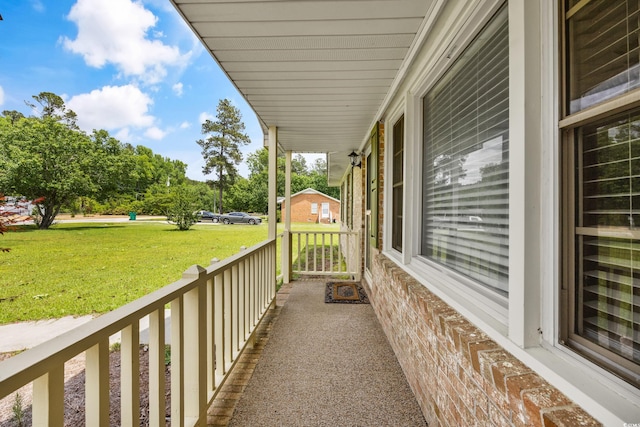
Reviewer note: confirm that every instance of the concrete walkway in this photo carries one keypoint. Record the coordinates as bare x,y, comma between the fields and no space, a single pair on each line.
325,365
25,335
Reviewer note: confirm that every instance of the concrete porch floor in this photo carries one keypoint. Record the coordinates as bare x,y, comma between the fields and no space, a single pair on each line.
316,364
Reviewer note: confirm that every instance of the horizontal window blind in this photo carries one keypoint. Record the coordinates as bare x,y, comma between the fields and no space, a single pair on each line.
604,59
608,245
465,167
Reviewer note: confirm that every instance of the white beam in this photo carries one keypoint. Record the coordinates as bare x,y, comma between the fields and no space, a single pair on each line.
286,240
524,172
273,181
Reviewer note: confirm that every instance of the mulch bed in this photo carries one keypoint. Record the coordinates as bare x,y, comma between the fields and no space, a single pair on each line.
74,396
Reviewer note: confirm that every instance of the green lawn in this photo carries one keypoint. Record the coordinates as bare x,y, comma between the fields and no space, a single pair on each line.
85,268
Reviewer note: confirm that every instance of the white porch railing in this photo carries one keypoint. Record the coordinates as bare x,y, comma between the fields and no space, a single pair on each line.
214,312
327,253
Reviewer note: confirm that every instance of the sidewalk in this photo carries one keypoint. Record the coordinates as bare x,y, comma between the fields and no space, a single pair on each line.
25,335
322,365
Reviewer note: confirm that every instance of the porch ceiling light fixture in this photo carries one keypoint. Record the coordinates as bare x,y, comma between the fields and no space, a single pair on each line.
355,159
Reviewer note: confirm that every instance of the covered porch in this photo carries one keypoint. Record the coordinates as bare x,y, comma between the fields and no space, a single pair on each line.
241,353
316,364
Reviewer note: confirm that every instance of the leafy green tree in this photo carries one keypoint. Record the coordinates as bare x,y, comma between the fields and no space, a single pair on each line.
183,207
13,115
43,158
221,147
112,166
50,105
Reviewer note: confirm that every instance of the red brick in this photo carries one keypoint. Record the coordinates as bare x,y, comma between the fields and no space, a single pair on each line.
498,417
516,385
542,399
459,375
475,348
504,369
568,417
486,359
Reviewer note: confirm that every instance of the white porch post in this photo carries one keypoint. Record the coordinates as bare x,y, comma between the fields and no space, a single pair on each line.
286,239
273,181
524,172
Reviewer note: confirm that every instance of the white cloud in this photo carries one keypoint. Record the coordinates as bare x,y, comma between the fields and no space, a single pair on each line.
1,95
124,135
185,125
203,117
37,5
112,108
177,89
116,32
155,133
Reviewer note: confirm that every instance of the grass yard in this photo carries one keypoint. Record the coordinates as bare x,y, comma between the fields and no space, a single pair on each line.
89,268
85,268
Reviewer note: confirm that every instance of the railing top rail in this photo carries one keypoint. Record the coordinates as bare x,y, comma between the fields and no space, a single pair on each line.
29,365
237,258
324,232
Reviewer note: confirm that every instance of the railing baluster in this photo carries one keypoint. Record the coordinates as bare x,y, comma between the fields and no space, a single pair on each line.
331,253
218,316
130,375
177,362
261,279
227,310
211,354
156,368
97,384
247,297
340,253
48,398
252,290
299,251
323,248
235,297
195,362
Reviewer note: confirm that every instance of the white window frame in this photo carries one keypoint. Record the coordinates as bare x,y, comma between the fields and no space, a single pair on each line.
325,209
399,110
468,297
314,208
530,329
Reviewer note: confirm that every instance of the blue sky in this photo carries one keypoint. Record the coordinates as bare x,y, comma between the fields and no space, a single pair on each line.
133,68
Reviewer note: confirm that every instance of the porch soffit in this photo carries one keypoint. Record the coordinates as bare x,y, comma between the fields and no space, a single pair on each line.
317,69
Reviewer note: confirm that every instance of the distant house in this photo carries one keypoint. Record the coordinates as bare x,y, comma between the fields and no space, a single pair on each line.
312,206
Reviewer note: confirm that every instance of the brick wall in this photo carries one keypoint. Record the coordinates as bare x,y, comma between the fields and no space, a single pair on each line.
301,208
459,375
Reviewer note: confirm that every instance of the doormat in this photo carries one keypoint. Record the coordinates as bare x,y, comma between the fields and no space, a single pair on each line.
345,293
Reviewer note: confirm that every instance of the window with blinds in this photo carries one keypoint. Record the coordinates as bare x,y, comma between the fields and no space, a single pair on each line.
607,292
398,184
604,55
602,185
465,210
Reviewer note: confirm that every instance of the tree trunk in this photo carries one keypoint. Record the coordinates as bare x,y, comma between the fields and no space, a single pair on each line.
48,215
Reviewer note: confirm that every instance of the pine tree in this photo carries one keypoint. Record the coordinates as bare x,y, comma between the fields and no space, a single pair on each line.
221,148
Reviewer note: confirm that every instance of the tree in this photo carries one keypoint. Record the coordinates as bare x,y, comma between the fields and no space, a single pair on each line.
42,158
52,106
221,148
184,204
13,115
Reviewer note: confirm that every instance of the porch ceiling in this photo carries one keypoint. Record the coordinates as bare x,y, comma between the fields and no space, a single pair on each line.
319,70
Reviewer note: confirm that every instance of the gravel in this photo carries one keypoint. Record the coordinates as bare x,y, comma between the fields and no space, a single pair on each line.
327,365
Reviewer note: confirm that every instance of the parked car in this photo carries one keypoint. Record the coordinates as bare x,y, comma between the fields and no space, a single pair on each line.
239,218
206,215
